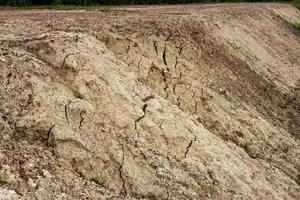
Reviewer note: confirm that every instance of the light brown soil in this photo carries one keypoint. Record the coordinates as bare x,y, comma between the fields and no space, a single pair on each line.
160,102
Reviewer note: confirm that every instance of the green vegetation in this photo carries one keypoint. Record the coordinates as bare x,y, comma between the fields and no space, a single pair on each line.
296,3
93,4
297,27
67,7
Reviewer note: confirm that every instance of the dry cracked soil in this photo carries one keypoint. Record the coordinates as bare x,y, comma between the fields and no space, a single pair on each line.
157,102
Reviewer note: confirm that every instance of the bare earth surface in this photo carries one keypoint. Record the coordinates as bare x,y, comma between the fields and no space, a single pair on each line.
161,102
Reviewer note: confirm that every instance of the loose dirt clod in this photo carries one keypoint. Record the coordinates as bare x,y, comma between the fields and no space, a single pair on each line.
168,102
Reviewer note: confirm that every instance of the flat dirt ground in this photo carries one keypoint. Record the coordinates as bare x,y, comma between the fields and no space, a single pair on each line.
153,102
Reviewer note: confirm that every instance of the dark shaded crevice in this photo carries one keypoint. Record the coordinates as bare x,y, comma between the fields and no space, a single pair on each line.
180,49
139,63
66,111
147,98
8,78
121,171
8,86
178,102
166,84
81,120
140,118
211,176
195,107
189,146
65,58
49,135
76,39
164,55
155,47
97,182
174,88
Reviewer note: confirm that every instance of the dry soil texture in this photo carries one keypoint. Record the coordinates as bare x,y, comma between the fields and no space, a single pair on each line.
166,102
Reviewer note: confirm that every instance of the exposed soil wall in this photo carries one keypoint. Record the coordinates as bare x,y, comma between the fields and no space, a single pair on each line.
170,102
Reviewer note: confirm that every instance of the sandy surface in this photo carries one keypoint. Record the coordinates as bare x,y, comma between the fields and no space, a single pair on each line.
150,102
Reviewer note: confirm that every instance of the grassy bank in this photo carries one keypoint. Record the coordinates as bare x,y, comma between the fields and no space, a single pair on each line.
67,7
297,27
296,3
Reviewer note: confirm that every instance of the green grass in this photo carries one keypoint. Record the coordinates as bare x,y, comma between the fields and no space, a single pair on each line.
296,3
297,27
68,7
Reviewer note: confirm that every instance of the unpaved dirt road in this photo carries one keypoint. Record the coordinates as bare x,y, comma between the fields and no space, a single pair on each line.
160,102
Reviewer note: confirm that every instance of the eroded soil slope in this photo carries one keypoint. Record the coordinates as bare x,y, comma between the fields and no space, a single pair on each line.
171,102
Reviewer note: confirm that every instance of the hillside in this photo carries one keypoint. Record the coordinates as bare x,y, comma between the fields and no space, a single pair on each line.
155,102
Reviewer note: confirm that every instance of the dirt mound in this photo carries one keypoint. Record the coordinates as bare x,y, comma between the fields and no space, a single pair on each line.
170,102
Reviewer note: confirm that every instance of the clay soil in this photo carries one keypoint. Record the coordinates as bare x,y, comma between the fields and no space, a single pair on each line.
154,102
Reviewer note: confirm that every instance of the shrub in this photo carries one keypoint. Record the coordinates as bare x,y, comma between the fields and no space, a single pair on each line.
74,2
20,3
42,2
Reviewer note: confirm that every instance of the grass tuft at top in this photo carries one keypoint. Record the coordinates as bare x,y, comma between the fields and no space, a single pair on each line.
297,27
67,7
296,3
